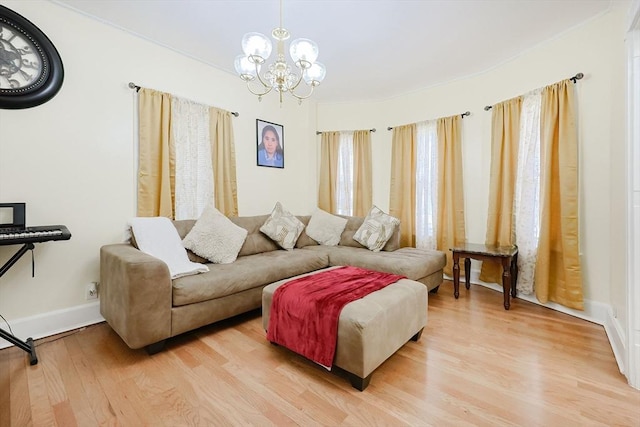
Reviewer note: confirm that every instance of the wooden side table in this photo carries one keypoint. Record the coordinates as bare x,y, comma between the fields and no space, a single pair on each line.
508,256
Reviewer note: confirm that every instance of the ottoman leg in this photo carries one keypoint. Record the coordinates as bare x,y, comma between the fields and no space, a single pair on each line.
359,383
417,336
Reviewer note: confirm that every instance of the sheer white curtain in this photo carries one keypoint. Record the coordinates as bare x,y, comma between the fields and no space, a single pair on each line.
344,184
526,208
426,184
194,170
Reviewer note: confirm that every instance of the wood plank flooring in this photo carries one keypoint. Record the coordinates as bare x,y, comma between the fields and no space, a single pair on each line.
475,365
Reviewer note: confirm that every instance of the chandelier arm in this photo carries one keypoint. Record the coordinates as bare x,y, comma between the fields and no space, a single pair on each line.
268,89
295,86
301,97
264,83
266,86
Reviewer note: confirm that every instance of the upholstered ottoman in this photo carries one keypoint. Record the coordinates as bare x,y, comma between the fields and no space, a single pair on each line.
373,328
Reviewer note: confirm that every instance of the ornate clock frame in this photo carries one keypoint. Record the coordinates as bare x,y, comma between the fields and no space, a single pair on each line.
31,71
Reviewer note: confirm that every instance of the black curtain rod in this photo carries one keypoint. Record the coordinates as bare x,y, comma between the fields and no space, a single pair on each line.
137,88
574,79
318,132
466,113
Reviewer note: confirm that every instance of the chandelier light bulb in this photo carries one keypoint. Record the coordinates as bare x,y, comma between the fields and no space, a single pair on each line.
304,52
256,46
315,74
245,68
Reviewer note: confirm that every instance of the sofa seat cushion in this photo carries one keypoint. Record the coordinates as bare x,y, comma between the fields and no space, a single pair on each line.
244,273
410,262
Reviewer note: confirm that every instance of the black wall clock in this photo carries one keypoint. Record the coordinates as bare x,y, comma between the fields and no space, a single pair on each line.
31,71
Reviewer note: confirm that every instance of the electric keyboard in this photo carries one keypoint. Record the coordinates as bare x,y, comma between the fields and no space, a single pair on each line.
38,234
14,232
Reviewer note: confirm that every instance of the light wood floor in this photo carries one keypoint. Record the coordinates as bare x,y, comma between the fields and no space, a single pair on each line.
476,364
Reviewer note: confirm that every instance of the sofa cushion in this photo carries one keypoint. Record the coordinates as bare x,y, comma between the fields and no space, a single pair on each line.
282,227
184,226
354,223
325,228
215,237
410,262
376,229
256,241
246,272
304,239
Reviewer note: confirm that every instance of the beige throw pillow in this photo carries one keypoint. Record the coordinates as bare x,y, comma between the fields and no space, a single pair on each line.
215,237
325,228
282,227
376,229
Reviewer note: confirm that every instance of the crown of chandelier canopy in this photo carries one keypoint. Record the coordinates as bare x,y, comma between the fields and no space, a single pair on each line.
279,76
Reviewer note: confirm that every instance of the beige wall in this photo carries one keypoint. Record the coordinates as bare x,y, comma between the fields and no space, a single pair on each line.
72,158
596,49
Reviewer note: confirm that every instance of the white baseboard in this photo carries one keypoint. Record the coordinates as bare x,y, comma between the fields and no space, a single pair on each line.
617,339
595,312
53,322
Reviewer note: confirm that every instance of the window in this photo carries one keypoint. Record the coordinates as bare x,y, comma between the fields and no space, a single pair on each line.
426,184
194,167
526,208
197,140
344,182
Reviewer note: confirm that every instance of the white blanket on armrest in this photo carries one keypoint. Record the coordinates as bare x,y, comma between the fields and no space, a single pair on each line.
157,236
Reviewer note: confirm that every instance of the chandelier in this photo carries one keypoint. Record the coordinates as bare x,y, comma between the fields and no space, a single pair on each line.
279,76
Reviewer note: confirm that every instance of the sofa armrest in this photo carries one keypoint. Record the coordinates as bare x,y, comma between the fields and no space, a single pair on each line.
135,295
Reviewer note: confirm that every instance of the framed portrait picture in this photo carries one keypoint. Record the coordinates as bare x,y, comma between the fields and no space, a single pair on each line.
269,144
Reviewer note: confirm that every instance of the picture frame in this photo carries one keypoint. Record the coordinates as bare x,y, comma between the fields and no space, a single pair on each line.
269,144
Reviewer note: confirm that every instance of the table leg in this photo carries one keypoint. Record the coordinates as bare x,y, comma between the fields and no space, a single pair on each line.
456,275
506,281
467,273
514,275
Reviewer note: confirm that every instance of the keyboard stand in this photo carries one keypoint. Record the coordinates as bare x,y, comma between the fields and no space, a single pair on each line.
27,346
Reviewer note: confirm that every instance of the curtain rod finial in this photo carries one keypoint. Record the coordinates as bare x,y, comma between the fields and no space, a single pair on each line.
577,77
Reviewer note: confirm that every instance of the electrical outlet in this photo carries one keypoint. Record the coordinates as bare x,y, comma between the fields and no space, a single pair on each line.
91,291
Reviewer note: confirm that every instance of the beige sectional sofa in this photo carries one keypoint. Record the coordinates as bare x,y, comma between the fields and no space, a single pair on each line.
145,306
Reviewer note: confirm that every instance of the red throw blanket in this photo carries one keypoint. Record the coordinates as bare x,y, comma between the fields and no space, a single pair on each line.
305,311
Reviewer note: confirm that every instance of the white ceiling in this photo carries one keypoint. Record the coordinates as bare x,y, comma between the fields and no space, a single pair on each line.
373,50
